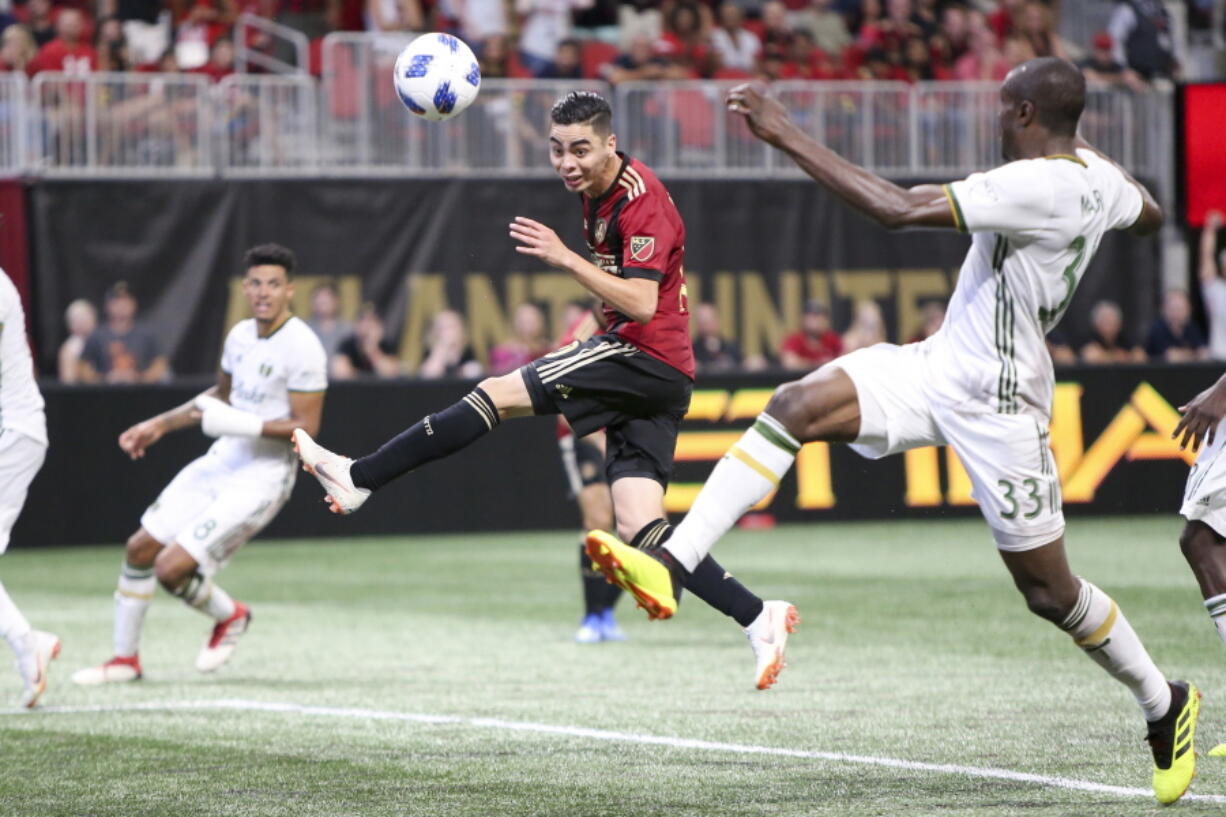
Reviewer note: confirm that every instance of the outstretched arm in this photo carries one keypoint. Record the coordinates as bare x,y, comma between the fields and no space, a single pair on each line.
135,440
1208,246
888,204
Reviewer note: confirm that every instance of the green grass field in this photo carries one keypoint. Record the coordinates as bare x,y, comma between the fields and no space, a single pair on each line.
436,676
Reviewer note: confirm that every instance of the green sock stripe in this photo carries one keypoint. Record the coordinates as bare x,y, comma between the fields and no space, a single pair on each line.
130,572
774,437
1216,606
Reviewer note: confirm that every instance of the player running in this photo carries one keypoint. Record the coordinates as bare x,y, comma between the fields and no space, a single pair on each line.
634,379
272,380
23,447
583,463
982,385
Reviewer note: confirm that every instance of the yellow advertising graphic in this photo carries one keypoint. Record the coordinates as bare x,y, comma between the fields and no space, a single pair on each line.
1140,430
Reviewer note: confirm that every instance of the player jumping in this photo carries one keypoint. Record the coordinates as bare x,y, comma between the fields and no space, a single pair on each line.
23,447
982,384
272,380
634,379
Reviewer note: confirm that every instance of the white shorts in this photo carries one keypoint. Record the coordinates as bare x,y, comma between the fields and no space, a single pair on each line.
1204,496
211,509
1007,456
20,459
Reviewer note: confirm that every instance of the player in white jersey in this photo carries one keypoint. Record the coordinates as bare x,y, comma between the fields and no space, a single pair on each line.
272,380
982,384
23,447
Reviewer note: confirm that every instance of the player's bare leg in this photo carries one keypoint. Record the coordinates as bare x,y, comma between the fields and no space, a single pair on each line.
133,595
638,505
599,596
1098,626
821,406
347,483
1205,550
180,574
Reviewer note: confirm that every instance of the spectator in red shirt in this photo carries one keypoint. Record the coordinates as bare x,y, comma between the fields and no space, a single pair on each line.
17,48
66,52
686,43
814,343
221,60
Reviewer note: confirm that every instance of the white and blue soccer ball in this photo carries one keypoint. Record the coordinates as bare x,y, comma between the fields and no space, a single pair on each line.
437,76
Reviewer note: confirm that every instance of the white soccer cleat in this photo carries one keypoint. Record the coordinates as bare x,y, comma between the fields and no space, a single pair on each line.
224,638
116,671
332,472
43,648
768,635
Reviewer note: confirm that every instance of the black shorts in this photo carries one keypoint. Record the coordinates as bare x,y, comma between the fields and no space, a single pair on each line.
582,461
607,383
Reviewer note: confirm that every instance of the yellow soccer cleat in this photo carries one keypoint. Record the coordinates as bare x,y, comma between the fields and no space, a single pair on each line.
1218,751
639,573
1172,740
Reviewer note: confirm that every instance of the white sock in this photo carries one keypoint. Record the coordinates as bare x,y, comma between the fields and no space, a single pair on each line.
1217,614
13,625
201,594
133,595
1098,626
748,472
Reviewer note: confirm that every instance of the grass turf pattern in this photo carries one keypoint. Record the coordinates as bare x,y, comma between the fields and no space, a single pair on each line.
914,646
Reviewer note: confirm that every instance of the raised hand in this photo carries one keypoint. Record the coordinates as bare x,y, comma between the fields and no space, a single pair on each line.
765,115
540,241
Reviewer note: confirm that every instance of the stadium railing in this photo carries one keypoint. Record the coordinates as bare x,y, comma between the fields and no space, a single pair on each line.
266,125
350,122
264,44
120,124
365,129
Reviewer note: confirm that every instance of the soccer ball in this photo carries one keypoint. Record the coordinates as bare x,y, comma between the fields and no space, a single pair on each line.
436,76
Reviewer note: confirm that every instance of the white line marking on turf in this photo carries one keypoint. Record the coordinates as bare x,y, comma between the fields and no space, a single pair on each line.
235,704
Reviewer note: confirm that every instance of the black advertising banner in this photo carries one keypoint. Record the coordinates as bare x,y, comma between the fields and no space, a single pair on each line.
1110,436
758,249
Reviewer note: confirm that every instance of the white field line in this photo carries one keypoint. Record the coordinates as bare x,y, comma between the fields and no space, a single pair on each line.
233,704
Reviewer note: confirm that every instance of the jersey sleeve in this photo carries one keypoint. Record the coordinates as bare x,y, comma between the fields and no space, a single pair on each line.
647,238
1126,203
1009,199
308,369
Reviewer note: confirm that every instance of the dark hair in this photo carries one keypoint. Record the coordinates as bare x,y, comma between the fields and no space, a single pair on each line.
273,254
1056,89
583,108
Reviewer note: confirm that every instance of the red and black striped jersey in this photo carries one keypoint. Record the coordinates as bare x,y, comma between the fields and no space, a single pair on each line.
633,230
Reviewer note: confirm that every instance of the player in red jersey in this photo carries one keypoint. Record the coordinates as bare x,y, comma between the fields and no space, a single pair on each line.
634,380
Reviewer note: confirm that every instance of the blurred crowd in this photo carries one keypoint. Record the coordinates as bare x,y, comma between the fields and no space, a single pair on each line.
614,40
119,348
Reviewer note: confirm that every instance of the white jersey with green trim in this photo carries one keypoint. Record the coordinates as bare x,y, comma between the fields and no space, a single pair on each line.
1036,223
263,372
21,403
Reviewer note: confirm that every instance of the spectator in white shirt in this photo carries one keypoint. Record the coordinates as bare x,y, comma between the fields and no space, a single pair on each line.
546,23
737,46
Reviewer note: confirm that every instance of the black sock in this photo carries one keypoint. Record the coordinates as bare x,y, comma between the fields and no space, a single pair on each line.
432,438
709,581
598,593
